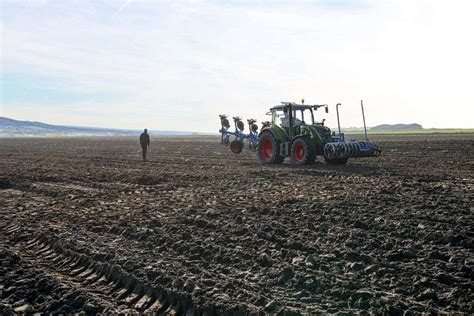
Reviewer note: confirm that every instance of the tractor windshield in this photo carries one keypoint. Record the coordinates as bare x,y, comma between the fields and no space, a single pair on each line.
304,116
300,117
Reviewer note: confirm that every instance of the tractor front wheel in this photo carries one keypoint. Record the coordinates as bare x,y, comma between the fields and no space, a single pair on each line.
268,149
303,151
236,146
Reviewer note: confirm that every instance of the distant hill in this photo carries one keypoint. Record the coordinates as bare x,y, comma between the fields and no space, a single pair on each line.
10,127
397,127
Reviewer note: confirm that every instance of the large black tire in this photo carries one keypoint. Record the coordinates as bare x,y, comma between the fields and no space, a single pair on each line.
336,161
303,151
236,146
268,149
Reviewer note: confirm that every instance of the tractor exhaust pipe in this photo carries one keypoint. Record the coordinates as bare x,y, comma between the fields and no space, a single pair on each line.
290,119
338,123
363,118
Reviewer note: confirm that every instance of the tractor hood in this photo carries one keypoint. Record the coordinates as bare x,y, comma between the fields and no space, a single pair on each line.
318,133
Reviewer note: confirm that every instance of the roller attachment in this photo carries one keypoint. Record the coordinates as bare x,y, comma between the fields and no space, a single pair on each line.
344,150
330,151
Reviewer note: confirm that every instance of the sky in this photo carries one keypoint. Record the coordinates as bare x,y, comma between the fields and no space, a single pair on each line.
177,65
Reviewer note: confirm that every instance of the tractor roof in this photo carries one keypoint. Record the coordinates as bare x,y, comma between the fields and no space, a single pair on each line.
293,105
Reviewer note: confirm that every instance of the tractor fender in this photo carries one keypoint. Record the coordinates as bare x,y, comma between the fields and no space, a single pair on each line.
300,136
278,134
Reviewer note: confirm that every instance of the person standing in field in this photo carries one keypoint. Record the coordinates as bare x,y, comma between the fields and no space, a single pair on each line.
145,142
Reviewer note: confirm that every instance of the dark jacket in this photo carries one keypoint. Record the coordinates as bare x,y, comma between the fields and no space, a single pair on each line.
145,139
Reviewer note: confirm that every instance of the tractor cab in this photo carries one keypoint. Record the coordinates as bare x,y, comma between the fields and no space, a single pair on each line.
301,115
290,117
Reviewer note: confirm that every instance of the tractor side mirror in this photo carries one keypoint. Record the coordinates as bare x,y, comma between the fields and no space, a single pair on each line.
326,109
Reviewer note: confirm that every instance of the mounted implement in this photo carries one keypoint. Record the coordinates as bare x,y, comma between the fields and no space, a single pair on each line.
294,133
237,144
338,150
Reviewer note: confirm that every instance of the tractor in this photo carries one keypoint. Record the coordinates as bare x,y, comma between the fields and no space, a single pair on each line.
293,132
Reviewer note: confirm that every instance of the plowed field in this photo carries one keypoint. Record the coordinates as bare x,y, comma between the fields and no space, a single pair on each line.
85,225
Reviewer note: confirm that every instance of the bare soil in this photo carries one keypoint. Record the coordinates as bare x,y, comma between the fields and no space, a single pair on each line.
85,225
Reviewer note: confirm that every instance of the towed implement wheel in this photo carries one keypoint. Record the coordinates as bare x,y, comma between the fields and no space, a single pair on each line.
335,154
342,151
329,151
303,151
236,146
268,149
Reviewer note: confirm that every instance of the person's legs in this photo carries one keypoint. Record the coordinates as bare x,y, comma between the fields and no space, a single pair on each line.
144,152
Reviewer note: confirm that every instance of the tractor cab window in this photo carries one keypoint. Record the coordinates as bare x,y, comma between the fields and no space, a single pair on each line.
277,116
304,116
298,117
285,119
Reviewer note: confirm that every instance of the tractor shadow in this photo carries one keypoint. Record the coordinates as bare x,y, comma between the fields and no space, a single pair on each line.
324,169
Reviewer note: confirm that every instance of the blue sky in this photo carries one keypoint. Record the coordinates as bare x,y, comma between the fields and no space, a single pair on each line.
178,64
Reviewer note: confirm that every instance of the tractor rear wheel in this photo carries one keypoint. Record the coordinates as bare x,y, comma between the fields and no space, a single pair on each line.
268,149
303,151
336,161
236,146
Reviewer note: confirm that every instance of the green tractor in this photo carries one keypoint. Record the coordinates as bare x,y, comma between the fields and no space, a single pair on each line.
293,132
